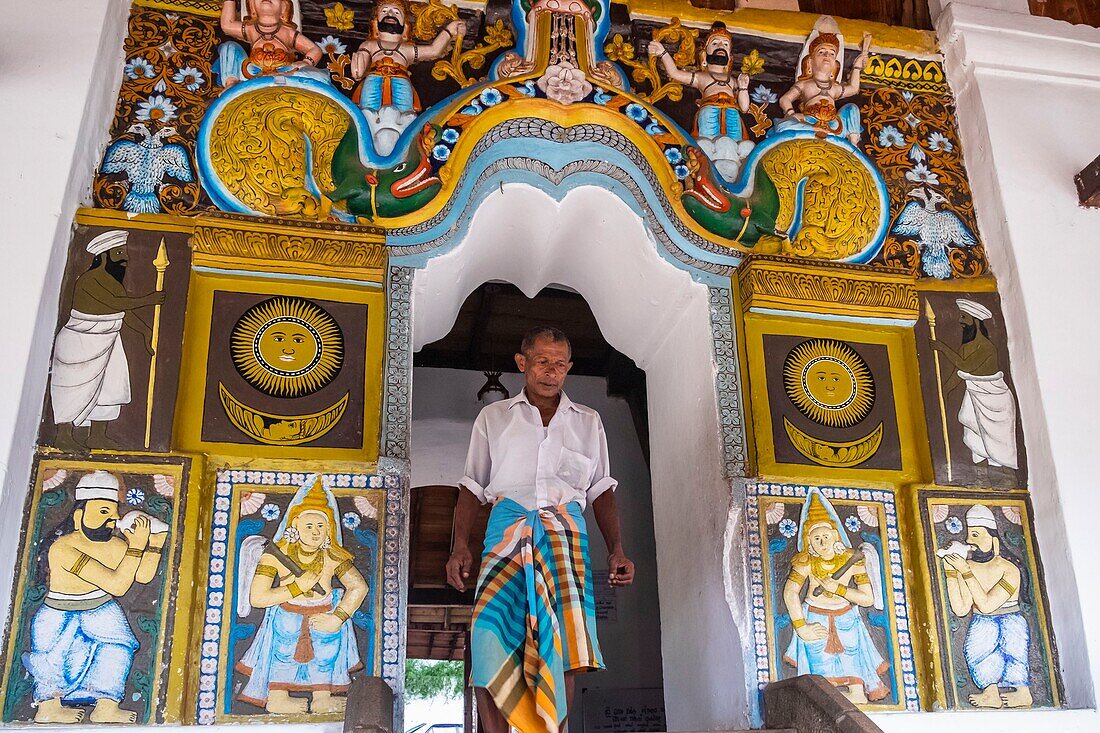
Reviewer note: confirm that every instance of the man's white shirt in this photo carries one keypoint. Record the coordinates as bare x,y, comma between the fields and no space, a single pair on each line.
512,456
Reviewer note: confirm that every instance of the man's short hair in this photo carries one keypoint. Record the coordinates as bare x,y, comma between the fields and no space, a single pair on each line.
555,335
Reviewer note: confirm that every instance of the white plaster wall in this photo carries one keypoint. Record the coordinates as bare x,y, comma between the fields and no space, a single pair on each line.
1028,93
655,314
444,407
60,69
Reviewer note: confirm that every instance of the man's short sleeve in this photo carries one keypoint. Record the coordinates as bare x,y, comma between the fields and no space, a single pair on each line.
601,480
478,463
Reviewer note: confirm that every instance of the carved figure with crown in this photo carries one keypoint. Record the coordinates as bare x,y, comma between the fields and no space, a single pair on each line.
275,44
811,102
829,582
718,125
386,94
306,642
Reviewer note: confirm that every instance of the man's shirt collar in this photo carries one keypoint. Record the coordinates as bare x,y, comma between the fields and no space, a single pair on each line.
564,404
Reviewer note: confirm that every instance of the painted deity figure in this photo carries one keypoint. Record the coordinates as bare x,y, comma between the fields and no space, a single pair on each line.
89,372
718,125
984,584
827,585
386,94
306,642
274,42
988,410
81,643
811,104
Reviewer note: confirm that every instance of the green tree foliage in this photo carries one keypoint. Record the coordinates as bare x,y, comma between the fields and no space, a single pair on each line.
428,678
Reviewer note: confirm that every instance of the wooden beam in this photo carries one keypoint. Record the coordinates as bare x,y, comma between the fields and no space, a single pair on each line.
1088,184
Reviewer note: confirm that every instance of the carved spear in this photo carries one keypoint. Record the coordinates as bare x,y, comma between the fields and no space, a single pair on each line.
161,264
931,315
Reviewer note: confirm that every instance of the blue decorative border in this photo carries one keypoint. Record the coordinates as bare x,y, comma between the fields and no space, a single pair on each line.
218,600
761,633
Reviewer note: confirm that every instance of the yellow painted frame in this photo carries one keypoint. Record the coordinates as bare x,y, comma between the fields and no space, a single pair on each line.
187,432
176,692
908,406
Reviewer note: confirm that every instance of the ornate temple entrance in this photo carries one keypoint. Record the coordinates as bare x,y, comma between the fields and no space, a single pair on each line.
657,315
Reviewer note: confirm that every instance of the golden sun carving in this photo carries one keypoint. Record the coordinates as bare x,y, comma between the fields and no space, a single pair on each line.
287,347
829,382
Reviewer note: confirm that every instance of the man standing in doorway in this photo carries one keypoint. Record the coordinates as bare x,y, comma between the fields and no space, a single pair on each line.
540,458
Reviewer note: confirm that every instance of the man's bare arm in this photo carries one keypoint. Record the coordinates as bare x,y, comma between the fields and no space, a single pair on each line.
658,51
461,561
229,23
620,568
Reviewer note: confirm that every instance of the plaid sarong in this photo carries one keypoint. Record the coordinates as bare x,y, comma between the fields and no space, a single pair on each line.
535,616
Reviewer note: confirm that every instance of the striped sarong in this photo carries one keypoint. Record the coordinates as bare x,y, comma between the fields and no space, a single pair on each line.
535,616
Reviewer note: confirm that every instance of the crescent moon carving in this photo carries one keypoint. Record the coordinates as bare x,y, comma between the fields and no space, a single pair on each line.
834,454
272,429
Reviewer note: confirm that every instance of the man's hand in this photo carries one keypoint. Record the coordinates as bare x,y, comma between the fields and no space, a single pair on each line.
137,537
459,565
656,48
325,622
620,570
812,632
957,562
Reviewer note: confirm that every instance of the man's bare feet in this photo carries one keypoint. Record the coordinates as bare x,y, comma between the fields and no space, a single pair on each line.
108,711
281,703
324,702
1019,697
990,697
52,711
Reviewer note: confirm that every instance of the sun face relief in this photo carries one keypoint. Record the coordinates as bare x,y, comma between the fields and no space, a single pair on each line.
829,382
287,347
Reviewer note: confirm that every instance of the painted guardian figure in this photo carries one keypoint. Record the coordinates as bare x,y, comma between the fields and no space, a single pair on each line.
306,642
386,95
81,642
274,43
830,635
90,372
718,125
811,103
985,585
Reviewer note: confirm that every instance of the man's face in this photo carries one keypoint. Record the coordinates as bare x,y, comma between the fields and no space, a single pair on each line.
823,61
97,519
544,367
979,538
312,529
390,18
823,541
118,255
718,51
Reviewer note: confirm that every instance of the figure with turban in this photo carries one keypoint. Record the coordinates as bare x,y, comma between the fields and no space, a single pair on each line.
306,641
81,643
89,372
830,635
984,584
988,410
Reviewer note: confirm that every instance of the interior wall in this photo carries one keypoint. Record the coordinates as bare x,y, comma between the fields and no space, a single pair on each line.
444,407
657,315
